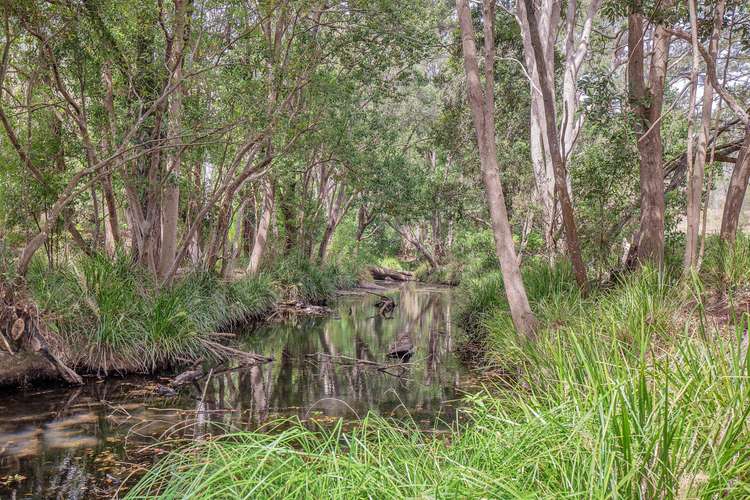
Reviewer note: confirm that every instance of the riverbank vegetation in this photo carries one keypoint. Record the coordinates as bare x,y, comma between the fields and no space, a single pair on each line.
112,318
172,170
638,390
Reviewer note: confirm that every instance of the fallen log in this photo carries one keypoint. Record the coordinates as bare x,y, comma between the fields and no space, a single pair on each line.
382,273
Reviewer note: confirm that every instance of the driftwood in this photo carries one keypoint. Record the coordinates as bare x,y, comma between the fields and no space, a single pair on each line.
349,361
291,308
402,347
190,375
21,326
382,273
385,305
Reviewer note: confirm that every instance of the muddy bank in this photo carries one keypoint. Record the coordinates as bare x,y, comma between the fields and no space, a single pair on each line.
24,368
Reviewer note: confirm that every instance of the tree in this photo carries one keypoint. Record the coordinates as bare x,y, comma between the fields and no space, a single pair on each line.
482,107
696,165
550,127
646,104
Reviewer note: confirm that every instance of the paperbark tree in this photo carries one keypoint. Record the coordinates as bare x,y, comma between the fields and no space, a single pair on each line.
482,106
561,183
261,232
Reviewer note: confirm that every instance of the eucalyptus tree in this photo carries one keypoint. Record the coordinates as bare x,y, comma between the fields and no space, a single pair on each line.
550,126
481,102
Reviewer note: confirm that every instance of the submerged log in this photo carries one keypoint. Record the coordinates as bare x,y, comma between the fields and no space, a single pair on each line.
402,347
382,273
385,305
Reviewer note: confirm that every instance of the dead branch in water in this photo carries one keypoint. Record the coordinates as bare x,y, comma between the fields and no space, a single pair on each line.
223,351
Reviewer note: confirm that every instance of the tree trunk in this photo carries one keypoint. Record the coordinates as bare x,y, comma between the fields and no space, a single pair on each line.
111,222
648,129
736,193
171,203
482,109
695,179
261,233
543,171
561,183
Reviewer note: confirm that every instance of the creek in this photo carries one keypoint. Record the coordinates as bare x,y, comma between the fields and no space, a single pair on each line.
97,439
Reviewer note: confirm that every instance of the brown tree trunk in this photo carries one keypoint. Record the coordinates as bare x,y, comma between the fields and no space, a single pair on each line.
482,109
648,128
541,161
736,193
561,183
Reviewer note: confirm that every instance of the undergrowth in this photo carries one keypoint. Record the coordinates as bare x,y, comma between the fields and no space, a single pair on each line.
112,316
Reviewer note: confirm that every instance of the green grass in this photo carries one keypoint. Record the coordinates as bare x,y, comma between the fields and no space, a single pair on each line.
631,392
299,278
112,317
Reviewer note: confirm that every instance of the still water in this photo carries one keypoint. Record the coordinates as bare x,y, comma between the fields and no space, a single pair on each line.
95,440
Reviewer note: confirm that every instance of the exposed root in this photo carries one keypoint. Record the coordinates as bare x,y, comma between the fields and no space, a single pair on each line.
22,327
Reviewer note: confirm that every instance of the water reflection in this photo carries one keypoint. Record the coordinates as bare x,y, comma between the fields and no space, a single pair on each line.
83,442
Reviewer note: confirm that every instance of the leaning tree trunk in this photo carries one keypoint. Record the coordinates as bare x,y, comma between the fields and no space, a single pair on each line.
482,109
561,183
261,233
541,162
736,193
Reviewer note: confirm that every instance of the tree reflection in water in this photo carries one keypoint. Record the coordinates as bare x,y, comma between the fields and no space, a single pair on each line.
324,368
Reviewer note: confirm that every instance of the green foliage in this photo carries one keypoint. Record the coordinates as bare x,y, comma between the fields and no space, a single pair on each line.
727,267
481,295
301,279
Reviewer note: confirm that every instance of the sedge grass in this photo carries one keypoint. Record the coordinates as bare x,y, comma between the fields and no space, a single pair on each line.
617,398
112,317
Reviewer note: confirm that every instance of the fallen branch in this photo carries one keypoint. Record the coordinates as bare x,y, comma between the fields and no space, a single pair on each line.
223,351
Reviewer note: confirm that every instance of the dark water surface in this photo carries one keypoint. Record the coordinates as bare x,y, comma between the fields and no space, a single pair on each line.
93,441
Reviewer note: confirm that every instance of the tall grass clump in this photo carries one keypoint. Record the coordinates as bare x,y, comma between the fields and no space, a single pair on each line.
112,316
727,267
301,279
622,399
481,295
